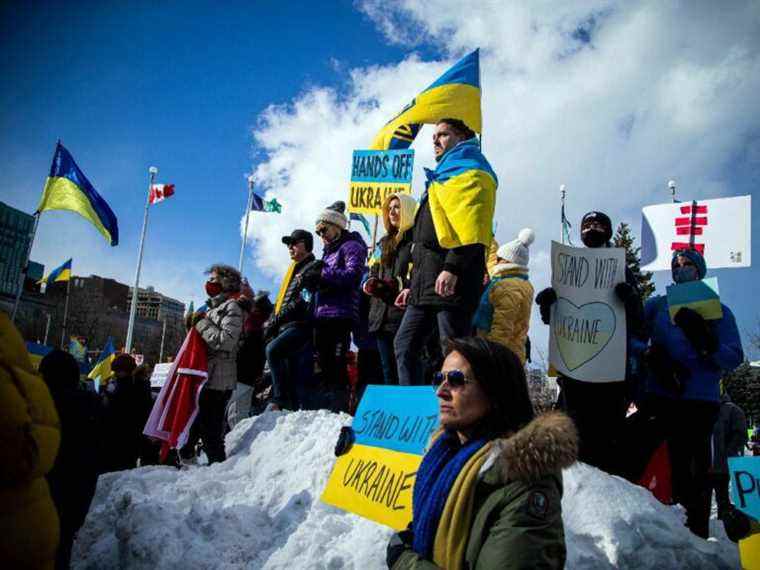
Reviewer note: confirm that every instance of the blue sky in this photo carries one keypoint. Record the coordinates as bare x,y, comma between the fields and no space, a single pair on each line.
211,91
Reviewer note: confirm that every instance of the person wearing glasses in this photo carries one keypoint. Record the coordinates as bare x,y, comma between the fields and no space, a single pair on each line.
343,256
489,489
288,331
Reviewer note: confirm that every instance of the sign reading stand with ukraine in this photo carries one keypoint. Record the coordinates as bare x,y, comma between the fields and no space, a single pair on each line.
375,478
375,175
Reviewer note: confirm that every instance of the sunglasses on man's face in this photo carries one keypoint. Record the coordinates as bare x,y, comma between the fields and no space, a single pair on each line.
321,231
454,378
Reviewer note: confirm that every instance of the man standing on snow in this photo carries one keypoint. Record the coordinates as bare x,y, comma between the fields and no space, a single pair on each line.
452,229
599,409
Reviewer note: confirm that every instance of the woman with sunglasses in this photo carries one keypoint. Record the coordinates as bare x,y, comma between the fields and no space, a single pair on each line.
488,492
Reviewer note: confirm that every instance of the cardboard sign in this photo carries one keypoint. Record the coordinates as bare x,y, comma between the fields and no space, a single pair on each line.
376,174
700,296
375,478
160,374
587,339
745,484
720,229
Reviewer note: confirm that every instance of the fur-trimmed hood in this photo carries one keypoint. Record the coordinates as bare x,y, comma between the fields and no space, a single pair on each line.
546,445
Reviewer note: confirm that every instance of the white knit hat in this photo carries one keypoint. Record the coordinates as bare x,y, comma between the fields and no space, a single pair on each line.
515,252
333,214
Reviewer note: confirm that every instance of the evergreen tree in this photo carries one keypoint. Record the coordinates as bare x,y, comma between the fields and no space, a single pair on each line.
743,385
624,238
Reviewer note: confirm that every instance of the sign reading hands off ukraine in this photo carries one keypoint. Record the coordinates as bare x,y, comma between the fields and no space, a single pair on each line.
588,332
375,478
375,175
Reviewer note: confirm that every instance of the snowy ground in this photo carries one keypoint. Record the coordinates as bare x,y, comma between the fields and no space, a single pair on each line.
261,509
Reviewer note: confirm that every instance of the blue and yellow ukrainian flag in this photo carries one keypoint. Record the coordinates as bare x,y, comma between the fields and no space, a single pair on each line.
67,188
62,273
462,194
102,369
454,95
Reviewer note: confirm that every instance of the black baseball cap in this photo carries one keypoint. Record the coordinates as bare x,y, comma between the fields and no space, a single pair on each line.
300,235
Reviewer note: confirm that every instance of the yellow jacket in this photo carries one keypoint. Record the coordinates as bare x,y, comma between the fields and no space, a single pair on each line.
511,296
29,439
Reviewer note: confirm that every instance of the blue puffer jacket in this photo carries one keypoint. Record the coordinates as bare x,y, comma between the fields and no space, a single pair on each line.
704,374
344,260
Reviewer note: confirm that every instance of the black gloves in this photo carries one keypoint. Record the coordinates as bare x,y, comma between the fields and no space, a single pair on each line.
545,299
398,544
345,440
670,375
625,292
271,328
696,329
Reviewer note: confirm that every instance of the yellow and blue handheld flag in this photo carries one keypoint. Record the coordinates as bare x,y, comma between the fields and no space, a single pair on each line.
102,369
61,273
67,188
454,95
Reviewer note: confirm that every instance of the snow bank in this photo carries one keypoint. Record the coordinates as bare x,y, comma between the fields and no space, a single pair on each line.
261,509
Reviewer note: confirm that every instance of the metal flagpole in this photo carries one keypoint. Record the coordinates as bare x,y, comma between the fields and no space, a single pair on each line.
133,308
163,336
672,186
562,214
247,216
374,236
25,266
66,313
47,329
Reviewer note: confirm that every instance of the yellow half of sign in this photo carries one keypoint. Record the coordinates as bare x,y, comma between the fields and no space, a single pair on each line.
368,197
749,551
374,483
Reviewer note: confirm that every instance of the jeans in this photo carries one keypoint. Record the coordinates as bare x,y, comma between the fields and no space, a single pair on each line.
209,426
387,357
415,329
284,353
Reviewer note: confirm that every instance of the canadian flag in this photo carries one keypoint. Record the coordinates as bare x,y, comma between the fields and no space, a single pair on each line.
159,192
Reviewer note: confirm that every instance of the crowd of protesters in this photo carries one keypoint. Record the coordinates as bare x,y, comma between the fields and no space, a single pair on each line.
435,300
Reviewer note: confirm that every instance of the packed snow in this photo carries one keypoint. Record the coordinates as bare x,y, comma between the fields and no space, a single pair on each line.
261,509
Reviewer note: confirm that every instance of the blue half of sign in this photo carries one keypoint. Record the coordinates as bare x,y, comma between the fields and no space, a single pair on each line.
401,418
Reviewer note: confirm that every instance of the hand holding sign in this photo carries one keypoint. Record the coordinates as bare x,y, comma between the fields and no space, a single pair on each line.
588,334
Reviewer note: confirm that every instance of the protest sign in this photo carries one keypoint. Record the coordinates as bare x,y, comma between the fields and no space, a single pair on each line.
701,296
745,484
720,229
160,374
375,478
587,335
375,174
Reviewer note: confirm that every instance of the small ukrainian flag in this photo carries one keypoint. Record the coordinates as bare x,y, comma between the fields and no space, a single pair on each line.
102,369
62,273
67,188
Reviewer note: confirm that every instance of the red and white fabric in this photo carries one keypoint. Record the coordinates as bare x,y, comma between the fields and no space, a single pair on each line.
176,406
159,192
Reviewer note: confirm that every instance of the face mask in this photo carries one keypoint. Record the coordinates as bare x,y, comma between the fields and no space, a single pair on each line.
685,274
593,238
213,289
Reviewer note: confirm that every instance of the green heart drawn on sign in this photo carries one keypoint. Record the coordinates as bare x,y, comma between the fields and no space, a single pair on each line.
582,332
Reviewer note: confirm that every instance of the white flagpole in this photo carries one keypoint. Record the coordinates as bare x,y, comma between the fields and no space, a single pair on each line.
672,187
133,308
562,221
25,267
247,216
163,336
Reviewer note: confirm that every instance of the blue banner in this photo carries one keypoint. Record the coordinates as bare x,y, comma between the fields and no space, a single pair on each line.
383,166
745,484
400,418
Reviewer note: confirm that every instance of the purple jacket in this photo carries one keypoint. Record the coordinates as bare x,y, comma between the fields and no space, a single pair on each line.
344,260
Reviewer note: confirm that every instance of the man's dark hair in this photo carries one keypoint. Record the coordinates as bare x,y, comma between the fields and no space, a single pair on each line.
229,277
60,371
459,127
501,376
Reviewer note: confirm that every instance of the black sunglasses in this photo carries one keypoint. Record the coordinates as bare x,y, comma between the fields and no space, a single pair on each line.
455,378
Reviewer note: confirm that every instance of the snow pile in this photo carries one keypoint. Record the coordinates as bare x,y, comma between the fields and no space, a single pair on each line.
261,509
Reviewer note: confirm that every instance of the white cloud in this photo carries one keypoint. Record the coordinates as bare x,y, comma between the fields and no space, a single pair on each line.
656,91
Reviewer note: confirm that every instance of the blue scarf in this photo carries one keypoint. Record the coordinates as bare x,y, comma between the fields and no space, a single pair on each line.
435,477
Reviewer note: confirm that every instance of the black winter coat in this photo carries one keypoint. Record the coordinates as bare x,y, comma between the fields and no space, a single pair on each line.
127,408
295,309
383,314
468,263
